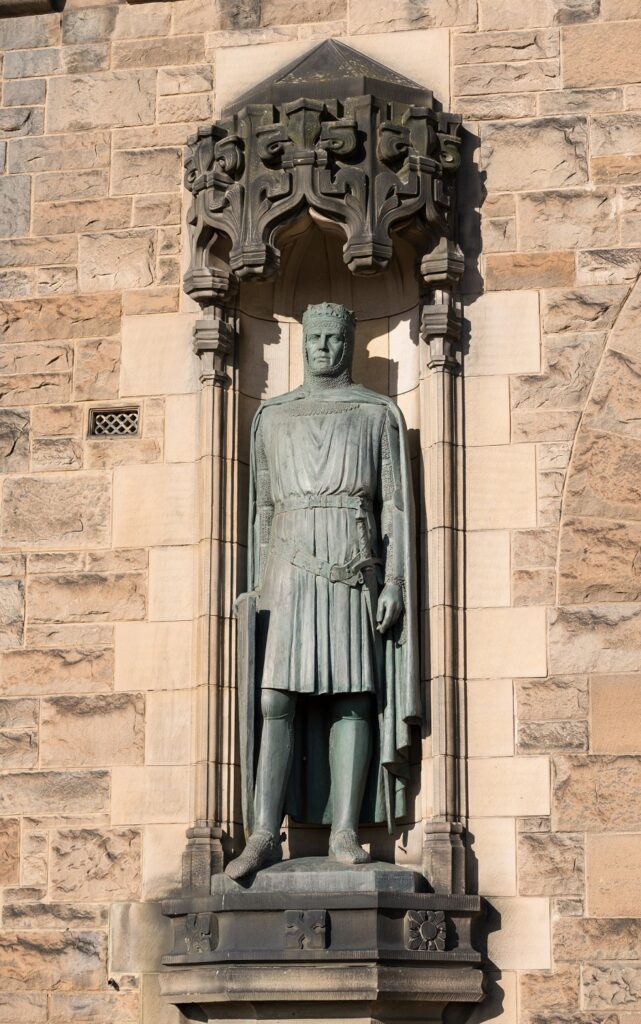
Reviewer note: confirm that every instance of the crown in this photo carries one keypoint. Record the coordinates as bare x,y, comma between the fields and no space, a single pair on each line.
329,311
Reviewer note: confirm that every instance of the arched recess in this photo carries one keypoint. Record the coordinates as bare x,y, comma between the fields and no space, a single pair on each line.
336,186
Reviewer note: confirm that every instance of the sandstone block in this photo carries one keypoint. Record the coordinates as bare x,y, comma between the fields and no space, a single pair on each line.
168,727
567,219
103,99
550,865
65,317
182,434
14,440
596,793
15,200
153,794
506,642
98,1007
115,260
56,420
533,586
181,81
279,12
542,700
614,397
92,731
377,16
18,713
611,984
534,548
557,990
28,32
523,940
510,786
597,561
56,280
611,266
518,14
495,347
23,1007
529,269
15,284
114,560
615,135
81,185
87,596
150,300
69,635
146,170
584,309
484,47
579,101
545,737
16,122
25,92
11,613
571,361
60,960
524,76
60,153
96,864
56,511
155,53
62,216
32,63
35,358
615,714
487,410
193,107
156,209
602,54
615,169
488,569
162,864
543,153
122,451
490,718
161,652
88,57
48,453
593,938
57,670
613,863
501,483
27,252
97,369
171,583
32,388
595,638
499,234
81,792
493,867
602,481
9,854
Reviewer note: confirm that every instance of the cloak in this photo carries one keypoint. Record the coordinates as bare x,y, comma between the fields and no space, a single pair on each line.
399,706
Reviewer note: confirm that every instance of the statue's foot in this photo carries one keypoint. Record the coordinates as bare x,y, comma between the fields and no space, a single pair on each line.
345,847
261,850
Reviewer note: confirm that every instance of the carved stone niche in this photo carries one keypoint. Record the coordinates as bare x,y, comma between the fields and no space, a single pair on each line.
359,149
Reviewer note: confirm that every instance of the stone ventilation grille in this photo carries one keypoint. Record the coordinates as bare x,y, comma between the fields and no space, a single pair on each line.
114,422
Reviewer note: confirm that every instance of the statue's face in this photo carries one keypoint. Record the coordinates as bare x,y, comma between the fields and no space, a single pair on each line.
325,344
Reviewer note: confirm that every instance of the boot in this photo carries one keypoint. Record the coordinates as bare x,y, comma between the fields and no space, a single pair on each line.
261,850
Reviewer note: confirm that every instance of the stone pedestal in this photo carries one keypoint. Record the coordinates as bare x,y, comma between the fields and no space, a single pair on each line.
314,940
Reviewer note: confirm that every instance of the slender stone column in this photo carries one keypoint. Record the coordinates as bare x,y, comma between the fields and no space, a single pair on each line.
440,330
213,342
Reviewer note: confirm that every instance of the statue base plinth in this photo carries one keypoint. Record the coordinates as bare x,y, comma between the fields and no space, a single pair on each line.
363,943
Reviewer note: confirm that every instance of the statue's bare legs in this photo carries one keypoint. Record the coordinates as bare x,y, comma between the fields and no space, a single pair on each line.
349,755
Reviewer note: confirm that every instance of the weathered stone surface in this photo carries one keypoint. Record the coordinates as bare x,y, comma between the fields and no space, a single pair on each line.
60,152
34,388
67,316
36,792
550,865
101,100
63,961
545,425
499,234
35,358
87,596
570,364
96,864
517,14
56,280
16,122
540,737
496,106
525,76
96,1007
116,560
69,634
22,916
615,714
533,586
15,284
543,153
66,216
613,864
28,252
156,209
599,561
35,857
603,479
9,852
595,638
56,511
557,990
609,266
11,613
23,1007
57,421
596,793
55,561
32,63
57,670
602,54
196,107
542,700
582,309
615,169
154,53
14,440
579,101
48,453
611,985
150,300
484,47
530,270
15,199
18,713
190,79
593,938
567,219
379,16
92,731
117,259
89,57
32,31
12,563
83,185
19,749
614,400
280,12
97,369
532,548
28,92
615,134
122,451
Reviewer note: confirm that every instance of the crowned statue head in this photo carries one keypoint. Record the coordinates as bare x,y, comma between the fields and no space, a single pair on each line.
328,342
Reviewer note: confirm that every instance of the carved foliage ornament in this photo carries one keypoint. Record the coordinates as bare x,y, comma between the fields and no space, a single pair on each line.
367,163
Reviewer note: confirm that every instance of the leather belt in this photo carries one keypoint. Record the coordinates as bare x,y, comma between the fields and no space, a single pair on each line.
350,572
323,501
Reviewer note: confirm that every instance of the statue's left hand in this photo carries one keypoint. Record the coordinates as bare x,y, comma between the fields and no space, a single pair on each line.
390,606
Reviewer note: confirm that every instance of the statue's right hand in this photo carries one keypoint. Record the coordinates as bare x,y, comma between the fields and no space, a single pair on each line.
243,597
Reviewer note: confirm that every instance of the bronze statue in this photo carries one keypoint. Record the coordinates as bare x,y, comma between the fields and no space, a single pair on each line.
334,670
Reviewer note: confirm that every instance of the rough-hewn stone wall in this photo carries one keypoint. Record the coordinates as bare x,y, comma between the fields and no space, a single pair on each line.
96,594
